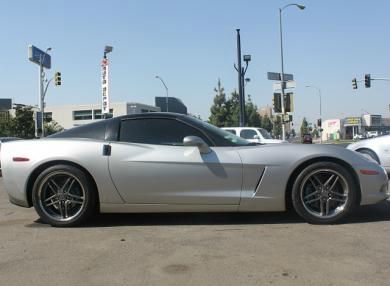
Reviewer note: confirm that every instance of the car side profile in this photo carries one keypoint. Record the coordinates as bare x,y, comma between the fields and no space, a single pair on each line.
253,134
166,162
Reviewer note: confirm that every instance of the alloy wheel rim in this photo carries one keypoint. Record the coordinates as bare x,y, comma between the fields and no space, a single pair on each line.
324,193
61,196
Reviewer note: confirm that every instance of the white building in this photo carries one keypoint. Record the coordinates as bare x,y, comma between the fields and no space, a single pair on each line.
332,129
69,116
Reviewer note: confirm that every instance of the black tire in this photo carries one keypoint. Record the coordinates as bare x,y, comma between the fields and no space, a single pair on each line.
321,203
369,153
63,196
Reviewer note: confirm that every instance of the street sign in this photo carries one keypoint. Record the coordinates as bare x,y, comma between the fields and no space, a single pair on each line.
288,84
273,75
37,56
277,76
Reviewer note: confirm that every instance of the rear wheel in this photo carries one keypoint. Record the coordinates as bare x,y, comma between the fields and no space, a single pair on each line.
324,192
63,196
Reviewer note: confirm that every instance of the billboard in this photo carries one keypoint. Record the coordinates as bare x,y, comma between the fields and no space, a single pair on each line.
105,95
352,121
37,56
5,104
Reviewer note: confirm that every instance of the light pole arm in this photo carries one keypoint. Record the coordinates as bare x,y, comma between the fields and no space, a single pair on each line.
47,85
162,82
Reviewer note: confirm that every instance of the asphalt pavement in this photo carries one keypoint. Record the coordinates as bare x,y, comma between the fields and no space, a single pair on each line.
195,249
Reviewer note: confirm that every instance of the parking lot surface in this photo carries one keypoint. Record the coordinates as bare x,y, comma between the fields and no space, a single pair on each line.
195,249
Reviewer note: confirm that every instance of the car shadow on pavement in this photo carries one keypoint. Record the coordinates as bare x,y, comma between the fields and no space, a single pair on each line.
364,214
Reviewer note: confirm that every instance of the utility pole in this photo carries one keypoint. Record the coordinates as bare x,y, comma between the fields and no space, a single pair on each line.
241,75
239,70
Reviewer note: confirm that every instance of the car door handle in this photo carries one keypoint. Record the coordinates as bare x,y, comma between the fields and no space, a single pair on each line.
106,150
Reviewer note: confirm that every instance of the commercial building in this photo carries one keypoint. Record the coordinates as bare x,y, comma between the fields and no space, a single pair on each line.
69,116
347,128
174,104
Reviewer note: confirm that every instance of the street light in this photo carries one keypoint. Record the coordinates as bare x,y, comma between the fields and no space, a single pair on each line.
300,6
166,89
107,49
42,90
319,93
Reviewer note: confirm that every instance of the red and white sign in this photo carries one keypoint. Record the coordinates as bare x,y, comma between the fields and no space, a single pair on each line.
105,95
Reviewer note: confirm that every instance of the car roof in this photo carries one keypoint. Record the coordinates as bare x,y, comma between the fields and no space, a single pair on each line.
152,115
240,128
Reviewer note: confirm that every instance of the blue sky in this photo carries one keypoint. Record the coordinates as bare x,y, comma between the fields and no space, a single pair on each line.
191,44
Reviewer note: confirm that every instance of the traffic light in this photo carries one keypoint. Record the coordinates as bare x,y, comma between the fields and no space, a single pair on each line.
319,122
277,102
354,83
367,80
57,78
288,102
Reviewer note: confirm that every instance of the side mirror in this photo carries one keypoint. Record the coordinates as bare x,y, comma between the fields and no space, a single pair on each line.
198,142
257,137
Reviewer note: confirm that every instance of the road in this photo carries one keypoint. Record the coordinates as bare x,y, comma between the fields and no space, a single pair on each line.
195,249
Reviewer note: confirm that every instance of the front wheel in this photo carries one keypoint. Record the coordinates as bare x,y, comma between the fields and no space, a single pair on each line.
63,196
324,192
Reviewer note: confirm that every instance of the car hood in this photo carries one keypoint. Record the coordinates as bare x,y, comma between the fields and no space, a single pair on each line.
294,154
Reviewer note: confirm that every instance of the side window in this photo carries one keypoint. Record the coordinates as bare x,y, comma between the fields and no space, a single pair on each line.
248,133
157,131
231,131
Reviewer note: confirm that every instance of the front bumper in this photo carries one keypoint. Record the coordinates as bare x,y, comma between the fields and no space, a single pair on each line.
374,188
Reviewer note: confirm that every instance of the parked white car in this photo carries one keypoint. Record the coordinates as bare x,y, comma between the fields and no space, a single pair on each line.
253,134
372,134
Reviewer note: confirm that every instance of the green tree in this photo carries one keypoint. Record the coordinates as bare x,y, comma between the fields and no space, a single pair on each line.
293,134
22,125
219,112
5,128
253,118
315,132
266,123
52,127
277,128
304,127
233,109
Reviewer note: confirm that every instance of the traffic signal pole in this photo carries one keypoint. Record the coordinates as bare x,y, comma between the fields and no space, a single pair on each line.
282,83
240,80
41,97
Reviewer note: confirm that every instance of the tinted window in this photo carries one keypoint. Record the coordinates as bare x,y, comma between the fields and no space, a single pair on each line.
264,133
157,131
248,133
92,131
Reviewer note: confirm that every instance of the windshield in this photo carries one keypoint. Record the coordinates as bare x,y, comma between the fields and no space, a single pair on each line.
264,133
222,137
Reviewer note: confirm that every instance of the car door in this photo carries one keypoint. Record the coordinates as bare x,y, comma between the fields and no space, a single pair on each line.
150,165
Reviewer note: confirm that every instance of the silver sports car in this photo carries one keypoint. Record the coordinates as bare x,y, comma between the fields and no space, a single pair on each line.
166,162
377,148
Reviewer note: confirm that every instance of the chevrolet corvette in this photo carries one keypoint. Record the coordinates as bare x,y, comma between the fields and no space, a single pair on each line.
166,162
